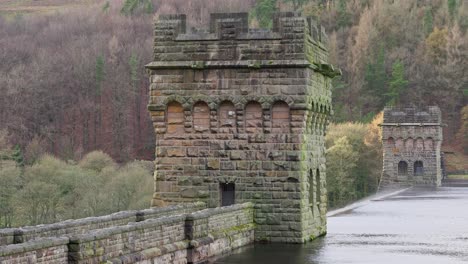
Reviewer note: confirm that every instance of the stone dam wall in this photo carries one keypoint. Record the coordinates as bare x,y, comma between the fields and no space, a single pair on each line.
82,226
176,238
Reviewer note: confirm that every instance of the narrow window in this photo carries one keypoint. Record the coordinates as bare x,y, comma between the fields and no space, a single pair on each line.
228,193
175,118
280,118
311,187
391,143
419,144
418,168
402,168
201,117
318,188
227,117
253,118
399,144
429,144
409,144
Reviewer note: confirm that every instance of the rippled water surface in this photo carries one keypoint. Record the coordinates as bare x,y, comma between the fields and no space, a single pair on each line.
416,226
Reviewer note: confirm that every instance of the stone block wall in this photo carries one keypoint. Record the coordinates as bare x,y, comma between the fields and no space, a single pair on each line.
412,140
220,230
46,251
132,243
245,108
81,226
179,238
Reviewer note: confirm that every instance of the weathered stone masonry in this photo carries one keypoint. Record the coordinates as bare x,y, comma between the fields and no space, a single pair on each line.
412,140
240,115
178,238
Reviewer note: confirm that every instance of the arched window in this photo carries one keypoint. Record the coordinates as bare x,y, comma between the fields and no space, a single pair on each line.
402,168
253,118
409,144
318,188
399,144
175,118
391,142
311,187
418,168
280,118
419,144
429,144
227,117
201,117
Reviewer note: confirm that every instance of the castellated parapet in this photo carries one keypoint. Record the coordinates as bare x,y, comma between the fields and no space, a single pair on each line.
412,140
240,116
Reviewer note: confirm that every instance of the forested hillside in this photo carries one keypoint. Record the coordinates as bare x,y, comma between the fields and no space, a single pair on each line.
72,77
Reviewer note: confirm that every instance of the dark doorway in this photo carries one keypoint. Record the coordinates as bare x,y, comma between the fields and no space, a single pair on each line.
418,168
402,168
228,193
318,191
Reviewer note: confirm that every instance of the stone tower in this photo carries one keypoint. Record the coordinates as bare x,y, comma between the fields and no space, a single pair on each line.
412,139
240,115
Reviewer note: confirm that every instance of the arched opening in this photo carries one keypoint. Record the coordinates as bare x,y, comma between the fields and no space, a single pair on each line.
429,144
201,117
228,193
227,117
409,144
402,168
418,168
253,118
399,144
391,142
318,188
419,144
280,118
175,118
311,187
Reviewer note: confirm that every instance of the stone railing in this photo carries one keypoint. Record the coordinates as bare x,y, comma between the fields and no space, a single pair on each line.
217,231
81,226
47,251
183,238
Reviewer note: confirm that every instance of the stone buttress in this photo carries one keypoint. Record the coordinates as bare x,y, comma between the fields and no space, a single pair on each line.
240,116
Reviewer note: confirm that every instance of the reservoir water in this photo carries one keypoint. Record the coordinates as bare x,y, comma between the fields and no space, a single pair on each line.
414,226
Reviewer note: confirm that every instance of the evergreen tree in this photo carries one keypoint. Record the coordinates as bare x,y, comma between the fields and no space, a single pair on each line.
133,62
376,77
343,15
130,6
18,156
452,7
149,7
263,12
428,22
397,84
106,6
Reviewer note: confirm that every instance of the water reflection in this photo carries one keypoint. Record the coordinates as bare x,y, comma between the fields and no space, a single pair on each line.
417,226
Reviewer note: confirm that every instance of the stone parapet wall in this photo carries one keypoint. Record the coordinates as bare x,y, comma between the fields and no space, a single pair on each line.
183,238
81,226
47,251
7,236
400,115
136,241
229,39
